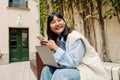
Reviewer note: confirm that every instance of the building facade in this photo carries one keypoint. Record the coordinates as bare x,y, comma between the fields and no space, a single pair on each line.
19,22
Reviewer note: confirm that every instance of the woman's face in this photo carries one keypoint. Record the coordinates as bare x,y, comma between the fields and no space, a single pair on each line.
57,25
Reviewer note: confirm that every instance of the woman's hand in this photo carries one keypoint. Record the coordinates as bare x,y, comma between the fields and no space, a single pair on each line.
51,43
43,42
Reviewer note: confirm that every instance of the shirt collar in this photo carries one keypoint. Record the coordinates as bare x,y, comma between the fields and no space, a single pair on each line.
62,39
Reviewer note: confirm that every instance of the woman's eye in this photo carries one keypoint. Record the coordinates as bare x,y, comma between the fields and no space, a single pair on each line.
52,22
59,19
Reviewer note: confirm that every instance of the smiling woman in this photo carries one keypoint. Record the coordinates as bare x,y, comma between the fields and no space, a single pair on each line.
57,25
72,52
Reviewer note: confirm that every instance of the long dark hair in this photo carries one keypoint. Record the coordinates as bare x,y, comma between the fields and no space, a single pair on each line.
51,34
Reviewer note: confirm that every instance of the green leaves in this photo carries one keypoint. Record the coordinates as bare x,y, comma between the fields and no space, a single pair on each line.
106,2
109,14
112,11
44,8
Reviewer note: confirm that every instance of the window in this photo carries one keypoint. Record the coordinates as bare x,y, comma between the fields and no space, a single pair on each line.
18,3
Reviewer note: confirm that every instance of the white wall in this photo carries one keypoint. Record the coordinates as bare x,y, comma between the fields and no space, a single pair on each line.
113,39
8,17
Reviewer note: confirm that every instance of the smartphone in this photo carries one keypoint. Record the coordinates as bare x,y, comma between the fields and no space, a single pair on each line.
40,37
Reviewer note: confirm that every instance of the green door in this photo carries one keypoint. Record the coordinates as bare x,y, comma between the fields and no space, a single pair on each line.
19,47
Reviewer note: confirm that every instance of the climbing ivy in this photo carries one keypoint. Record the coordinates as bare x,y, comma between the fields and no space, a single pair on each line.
44,8
47,6
88,10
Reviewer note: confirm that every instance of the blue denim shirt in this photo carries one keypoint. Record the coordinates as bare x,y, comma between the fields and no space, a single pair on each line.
73,56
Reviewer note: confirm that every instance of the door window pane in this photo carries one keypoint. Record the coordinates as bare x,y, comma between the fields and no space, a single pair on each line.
25,38
13,38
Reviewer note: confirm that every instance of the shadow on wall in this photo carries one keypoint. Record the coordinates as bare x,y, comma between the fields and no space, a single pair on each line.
0,54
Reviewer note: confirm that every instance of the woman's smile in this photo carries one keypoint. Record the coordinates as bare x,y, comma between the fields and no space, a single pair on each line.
58,27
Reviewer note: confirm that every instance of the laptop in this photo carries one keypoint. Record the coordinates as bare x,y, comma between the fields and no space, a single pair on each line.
46,55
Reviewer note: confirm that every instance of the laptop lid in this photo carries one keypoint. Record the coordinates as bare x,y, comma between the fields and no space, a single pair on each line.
46,55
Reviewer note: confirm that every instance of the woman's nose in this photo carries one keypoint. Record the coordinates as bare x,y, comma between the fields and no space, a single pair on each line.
57,23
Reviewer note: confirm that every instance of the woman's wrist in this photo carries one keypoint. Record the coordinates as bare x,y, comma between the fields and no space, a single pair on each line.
56,48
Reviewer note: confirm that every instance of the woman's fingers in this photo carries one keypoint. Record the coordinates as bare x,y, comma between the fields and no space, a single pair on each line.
44,42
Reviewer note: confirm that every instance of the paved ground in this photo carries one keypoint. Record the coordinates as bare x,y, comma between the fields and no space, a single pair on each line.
16,71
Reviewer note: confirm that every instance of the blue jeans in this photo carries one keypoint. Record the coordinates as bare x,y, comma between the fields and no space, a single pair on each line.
52,73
